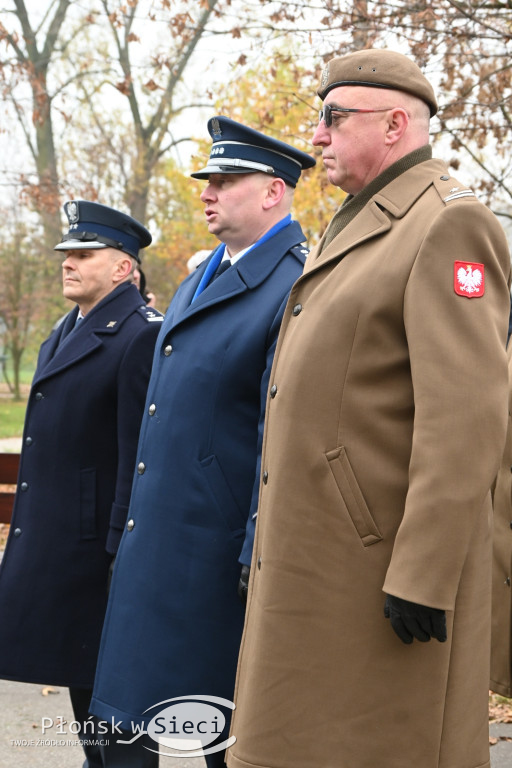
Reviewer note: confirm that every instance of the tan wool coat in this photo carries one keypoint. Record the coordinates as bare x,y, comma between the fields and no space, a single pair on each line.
386,421
501,647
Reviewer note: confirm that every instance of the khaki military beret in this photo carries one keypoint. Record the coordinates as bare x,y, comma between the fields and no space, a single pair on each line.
378,69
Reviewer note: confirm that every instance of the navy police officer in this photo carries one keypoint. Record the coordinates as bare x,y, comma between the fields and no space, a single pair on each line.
174,620
79,443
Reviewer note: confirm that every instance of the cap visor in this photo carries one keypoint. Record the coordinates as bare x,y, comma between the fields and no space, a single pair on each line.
71,245
205,172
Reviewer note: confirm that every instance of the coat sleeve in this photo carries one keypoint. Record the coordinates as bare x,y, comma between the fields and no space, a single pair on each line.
246,554
133,379
459,377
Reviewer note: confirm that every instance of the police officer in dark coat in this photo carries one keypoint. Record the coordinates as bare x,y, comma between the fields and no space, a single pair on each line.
79,445
174,619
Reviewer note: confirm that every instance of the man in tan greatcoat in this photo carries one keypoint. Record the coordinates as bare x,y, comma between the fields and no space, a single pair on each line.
501,635
386,421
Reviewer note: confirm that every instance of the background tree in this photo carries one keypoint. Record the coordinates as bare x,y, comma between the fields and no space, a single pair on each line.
152,137
20,283
32,52
465,49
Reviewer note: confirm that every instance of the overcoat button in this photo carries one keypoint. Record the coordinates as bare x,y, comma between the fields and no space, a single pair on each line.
273,390
507,582
168,350
28,441
24,486
39,395
17,532
130,525
141,468
265,477
297,309
259,563
152,409
444,178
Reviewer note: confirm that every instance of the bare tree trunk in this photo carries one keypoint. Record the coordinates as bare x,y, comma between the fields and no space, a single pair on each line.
45,195
150,138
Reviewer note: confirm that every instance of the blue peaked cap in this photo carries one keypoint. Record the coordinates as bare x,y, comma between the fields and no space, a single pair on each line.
92,225
239,149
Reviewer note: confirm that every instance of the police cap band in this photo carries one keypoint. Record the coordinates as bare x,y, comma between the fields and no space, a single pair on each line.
239,149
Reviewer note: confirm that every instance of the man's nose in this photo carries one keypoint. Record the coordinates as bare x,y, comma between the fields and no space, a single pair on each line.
321,136
207,194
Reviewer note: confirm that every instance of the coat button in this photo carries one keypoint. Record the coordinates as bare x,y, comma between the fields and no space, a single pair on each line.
39,395
24,486
259,563
273,390
444,178
17,532
152,409
130,525
141,468
507,581
297,309
168,350
28,441
265,477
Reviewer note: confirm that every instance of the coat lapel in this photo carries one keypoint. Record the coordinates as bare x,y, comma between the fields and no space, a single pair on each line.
52,343
247,273
369,223
65,347
392,202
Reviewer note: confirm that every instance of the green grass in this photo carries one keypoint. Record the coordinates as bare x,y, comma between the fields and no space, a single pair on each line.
12,416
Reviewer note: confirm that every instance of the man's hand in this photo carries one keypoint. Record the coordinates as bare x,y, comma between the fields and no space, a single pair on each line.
243,584
410,620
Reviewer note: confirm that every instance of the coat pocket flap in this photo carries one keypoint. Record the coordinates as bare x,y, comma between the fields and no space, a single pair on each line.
352,497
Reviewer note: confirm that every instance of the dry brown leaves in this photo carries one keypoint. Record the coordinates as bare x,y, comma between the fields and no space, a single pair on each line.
500,711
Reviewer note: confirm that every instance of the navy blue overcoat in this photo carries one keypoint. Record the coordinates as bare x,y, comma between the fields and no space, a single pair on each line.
174,619
79,445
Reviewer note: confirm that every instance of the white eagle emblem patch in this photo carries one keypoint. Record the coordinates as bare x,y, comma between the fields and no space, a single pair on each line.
468,279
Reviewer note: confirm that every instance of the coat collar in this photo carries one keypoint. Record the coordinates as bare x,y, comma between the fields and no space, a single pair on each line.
106,318
396,199
246,274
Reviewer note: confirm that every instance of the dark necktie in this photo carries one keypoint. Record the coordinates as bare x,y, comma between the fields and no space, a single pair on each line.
225,264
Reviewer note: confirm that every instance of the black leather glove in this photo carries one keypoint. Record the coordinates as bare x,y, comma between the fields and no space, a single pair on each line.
243,584
410,620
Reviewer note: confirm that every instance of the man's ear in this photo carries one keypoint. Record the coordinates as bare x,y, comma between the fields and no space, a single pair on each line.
122,268
398,121
275,192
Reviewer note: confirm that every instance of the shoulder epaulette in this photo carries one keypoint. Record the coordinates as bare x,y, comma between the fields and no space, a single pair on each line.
300,251
451,189
150,315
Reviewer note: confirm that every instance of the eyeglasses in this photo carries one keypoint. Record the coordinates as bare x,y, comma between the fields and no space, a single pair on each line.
326,112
